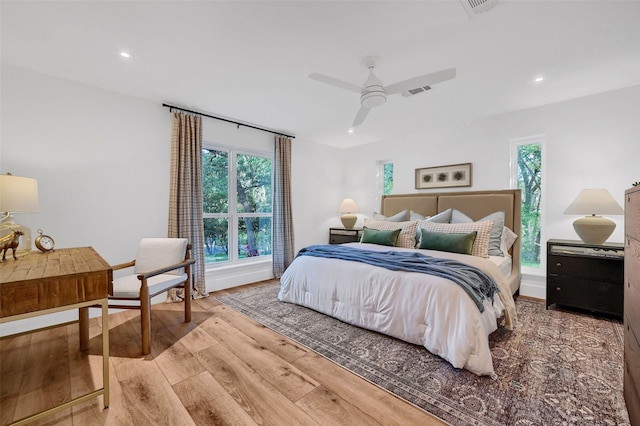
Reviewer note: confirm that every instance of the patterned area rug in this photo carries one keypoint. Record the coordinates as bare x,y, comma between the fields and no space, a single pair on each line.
556,368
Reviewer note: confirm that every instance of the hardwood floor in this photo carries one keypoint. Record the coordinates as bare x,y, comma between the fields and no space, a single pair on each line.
220,369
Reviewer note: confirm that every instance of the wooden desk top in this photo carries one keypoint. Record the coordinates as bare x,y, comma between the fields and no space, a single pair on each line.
49,280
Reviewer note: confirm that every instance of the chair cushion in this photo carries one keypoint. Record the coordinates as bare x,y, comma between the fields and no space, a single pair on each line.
155,253
129,286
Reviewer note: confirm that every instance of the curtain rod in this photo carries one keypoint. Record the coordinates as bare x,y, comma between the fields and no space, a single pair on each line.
228,121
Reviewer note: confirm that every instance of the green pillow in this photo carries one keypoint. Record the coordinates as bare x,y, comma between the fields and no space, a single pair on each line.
383,238
453,243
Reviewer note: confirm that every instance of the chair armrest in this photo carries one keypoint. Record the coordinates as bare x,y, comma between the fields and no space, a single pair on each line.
123,265
153,273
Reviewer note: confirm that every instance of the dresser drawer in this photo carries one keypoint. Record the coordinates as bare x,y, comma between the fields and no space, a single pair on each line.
632,214
632,306
631,354
631,397
602,269
596,296
632,261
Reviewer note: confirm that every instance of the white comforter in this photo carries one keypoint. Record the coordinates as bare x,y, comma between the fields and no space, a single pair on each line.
423,309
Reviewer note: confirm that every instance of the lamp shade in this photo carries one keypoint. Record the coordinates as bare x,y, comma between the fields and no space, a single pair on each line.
348,206
594,202
18,194
594,229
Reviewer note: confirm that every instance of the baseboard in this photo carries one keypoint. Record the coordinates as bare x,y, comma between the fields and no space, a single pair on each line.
237,275
534,286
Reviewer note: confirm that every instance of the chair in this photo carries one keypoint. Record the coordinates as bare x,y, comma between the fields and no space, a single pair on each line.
160,264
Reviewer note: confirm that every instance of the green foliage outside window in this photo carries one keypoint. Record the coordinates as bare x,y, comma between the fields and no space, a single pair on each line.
253,196
388,178
530,183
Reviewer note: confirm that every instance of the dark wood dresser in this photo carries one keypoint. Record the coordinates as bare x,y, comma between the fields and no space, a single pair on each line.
632,304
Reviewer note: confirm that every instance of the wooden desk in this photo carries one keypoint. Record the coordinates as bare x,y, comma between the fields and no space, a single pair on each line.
44,283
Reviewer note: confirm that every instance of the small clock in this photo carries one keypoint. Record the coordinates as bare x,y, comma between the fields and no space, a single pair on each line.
44,243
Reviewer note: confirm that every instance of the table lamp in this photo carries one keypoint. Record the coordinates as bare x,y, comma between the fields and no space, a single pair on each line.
594,229
17,195
348,207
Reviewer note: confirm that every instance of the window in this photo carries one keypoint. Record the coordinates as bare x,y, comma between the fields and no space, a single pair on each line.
388,178
384,178
526,174
237,204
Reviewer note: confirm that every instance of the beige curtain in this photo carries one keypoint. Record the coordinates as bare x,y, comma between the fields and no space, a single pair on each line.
283,242
185,195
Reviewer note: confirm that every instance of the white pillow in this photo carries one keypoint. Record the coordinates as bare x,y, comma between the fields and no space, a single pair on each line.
480,245
496,231
398,217
442,217
508,238
416,216
407,237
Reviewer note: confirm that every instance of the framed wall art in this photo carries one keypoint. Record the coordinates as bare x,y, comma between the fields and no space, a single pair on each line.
450,176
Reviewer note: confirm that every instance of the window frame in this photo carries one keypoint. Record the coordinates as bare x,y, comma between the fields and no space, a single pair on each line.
514,144
233,216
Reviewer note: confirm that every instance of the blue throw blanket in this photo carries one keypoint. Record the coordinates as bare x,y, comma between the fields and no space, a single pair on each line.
473,281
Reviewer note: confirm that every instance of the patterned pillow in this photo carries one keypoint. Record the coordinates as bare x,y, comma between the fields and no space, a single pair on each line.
407,237
496,231
480,245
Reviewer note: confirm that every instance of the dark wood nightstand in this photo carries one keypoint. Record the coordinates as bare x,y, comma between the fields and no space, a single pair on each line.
586,276
343,235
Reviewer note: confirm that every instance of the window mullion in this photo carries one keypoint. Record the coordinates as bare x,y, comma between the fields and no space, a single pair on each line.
233,207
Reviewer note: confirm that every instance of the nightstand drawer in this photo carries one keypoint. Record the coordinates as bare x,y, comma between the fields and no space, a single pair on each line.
341,239
342,235
603,269
595,296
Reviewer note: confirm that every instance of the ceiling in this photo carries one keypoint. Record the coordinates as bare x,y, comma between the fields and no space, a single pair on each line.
250,61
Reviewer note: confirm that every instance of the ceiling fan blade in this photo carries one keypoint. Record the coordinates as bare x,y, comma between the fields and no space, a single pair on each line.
335,82
361,115
423,80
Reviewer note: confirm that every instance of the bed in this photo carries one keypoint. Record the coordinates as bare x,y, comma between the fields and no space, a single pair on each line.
424,309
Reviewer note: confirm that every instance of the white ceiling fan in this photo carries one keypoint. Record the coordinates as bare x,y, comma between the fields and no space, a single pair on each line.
373,93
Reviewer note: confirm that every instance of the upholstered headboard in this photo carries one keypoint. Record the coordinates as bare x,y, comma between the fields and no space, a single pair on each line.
475,204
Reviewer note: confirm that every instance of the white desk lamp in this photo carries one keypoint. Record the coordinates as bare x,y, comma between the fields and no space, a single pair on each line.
17,195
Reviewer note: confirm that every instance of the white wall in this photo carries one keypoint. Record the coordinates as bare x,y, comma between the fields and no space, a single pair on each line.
102,162
592,142
101,159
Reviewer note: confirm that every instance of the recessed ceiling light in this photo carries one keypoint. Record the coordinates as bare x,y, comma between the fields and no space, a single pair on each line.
350,130
125,55
538,79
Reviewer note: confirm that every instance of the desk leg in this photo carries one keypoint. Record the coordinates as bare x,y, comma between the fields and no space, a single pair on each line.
83,321
105,352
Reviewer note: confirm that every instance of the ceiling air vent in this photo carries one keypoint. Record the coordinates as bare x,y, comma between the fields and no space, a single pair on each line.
476,7
412,92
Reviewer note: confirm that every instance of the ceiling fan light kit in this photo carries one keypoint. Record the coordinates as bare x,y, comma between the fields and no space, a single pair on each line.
373,93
